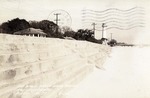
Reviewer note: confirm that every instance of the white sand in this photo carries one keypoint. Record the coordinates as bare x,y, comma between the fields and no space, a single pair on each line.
126,74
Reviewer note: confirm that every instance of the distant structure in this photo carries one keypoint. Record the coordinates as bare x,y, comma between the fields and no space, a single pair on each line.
31,32
104,35
94,24
104,31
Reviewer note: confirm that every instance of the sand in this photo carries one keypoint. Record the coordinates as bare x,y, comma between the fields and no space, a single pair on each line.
126,74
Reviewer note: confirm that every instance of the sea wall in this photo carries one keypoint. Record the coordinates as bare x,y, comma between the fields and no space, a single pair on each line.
32,67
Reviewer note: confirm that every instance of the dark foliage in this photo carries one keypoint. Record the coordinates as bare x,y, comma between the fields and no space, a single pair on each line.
14,25
82,34
124,44
48,27
112,42
68,32
87,35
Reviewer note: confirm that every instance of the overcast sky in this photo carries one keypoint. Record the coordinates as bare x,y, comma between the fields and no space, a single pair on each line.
40,9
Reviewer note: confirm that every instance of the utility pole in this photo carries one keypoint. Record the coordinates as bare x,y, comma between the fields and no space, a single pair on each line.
94,27
57,19
103,26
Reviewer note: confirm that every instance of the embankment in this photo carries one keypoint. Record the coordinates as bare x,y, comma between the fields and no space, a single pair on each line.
32,67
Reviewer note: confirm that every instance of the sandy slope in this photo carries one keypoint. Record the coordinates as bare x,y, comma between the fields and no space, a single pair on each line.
126,74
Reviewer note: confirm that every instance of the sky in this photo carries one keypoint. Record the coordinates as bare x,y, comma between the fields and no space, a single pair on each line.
41,9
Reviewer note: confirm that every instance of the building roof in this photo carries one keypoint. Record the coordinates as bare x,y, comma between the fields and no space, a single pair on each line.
30,31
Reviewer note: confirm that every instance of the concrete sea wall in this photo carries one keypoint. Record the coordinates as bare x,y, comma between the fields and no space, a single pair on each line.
32,67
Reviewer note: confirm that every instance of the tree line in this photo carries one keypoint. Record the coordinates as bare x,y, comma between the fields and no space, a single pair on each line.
48,27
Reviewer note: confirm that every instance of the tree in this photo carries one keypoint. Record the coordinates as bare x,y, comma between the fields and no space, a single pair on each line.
87,35
67,31
34,24
5,28
69,34
48,27
112,42
84,34
14,25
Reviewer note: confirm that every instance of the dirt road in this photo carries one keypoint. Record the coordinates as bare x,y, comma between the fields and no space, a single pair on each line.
126,74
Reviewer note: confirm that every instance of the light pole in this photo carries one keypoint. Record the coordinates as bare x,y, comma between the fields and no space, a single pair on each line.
94,28
103,26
